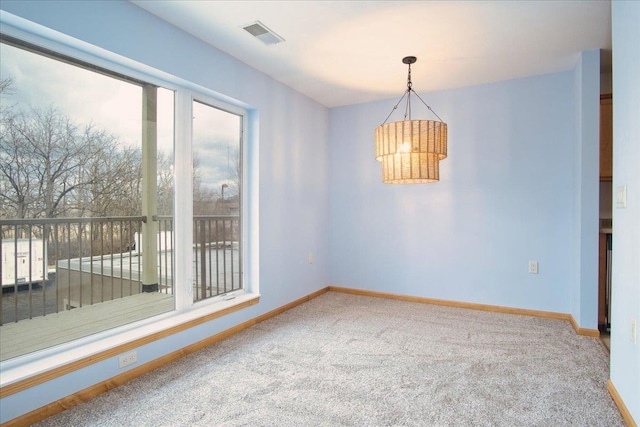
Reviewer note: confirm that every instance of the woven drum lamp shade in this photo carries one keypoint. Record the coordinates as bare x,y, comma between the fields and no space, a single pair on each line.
410,168
410,150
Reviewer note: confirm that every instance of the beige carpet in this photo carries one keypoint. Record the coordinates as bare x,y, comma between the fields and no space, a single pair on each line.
344,360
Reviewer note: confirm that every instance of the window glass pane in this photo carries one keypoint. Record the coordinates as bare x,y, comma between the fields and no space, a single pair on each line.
71,199
217,199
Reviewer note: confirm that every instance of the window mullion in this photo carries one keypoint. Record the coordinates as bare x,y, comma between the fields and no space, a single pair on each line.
183,202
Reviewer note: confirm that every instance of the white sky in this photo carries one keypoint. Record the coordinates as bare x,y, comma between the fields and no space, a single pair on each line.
215,136
114,105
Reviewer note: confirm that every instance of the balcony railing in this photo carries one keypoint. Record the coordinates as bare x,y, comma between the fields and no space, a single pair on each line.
217,255
53,265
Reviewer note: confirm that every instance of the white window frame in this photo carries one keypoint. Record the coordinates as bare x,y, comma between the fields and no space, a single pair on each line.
184,157
19,368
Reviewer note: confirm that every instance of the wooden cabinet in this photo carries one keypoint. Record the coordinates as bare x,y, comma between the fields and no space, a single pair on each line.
606,174
606,138
602,280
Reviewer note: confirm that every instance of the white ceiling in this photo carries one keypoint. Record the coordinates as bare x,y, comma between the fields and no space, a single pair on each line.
347,52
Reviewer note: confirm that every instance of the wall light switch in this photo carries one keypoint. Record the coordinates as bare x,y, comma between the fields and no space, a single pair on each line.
533,267
621,196
310,257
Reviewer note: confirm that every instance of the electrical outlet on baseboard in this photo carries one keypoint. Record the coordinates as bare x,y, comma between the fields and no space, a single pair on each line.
128,358
533,267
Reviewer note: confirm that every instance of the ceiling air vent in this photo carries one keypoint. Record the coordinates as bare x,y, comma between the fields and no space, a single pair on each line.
262,33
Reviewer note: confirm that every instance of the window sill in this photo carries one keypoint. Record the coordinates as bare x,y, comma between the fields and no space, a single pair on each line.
26,371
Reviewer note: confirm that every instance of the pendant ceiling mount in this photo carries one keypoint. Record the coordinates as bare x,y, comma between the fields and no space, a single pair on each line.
409,60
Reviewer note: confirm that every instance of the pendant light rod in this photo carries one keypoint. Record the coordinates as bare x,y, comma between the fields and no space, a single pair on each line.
425,104
409,60
395,107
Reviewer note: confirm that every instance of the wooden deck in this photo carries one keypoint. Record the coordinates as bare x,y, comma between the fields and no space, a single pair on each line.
35,334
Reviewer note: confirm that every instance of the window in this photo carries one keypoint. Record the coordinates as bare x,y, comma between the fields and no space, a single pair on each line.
92,224
217,196
80,147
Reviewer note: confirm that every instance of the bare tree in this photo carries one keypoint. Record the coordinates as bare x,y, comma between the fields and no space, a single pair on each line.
115,180
43,158
203,198
235,172
6,117
6,85
51,167
165,184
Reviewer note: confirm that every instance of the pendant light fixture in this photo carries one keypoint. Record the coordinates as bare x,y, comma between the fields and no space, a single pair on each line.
410,150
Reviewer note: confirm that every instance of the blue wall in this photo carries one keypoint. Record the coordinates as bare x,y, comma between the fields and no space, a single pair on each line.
504,198
510,190
585,192
625,355
292,164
